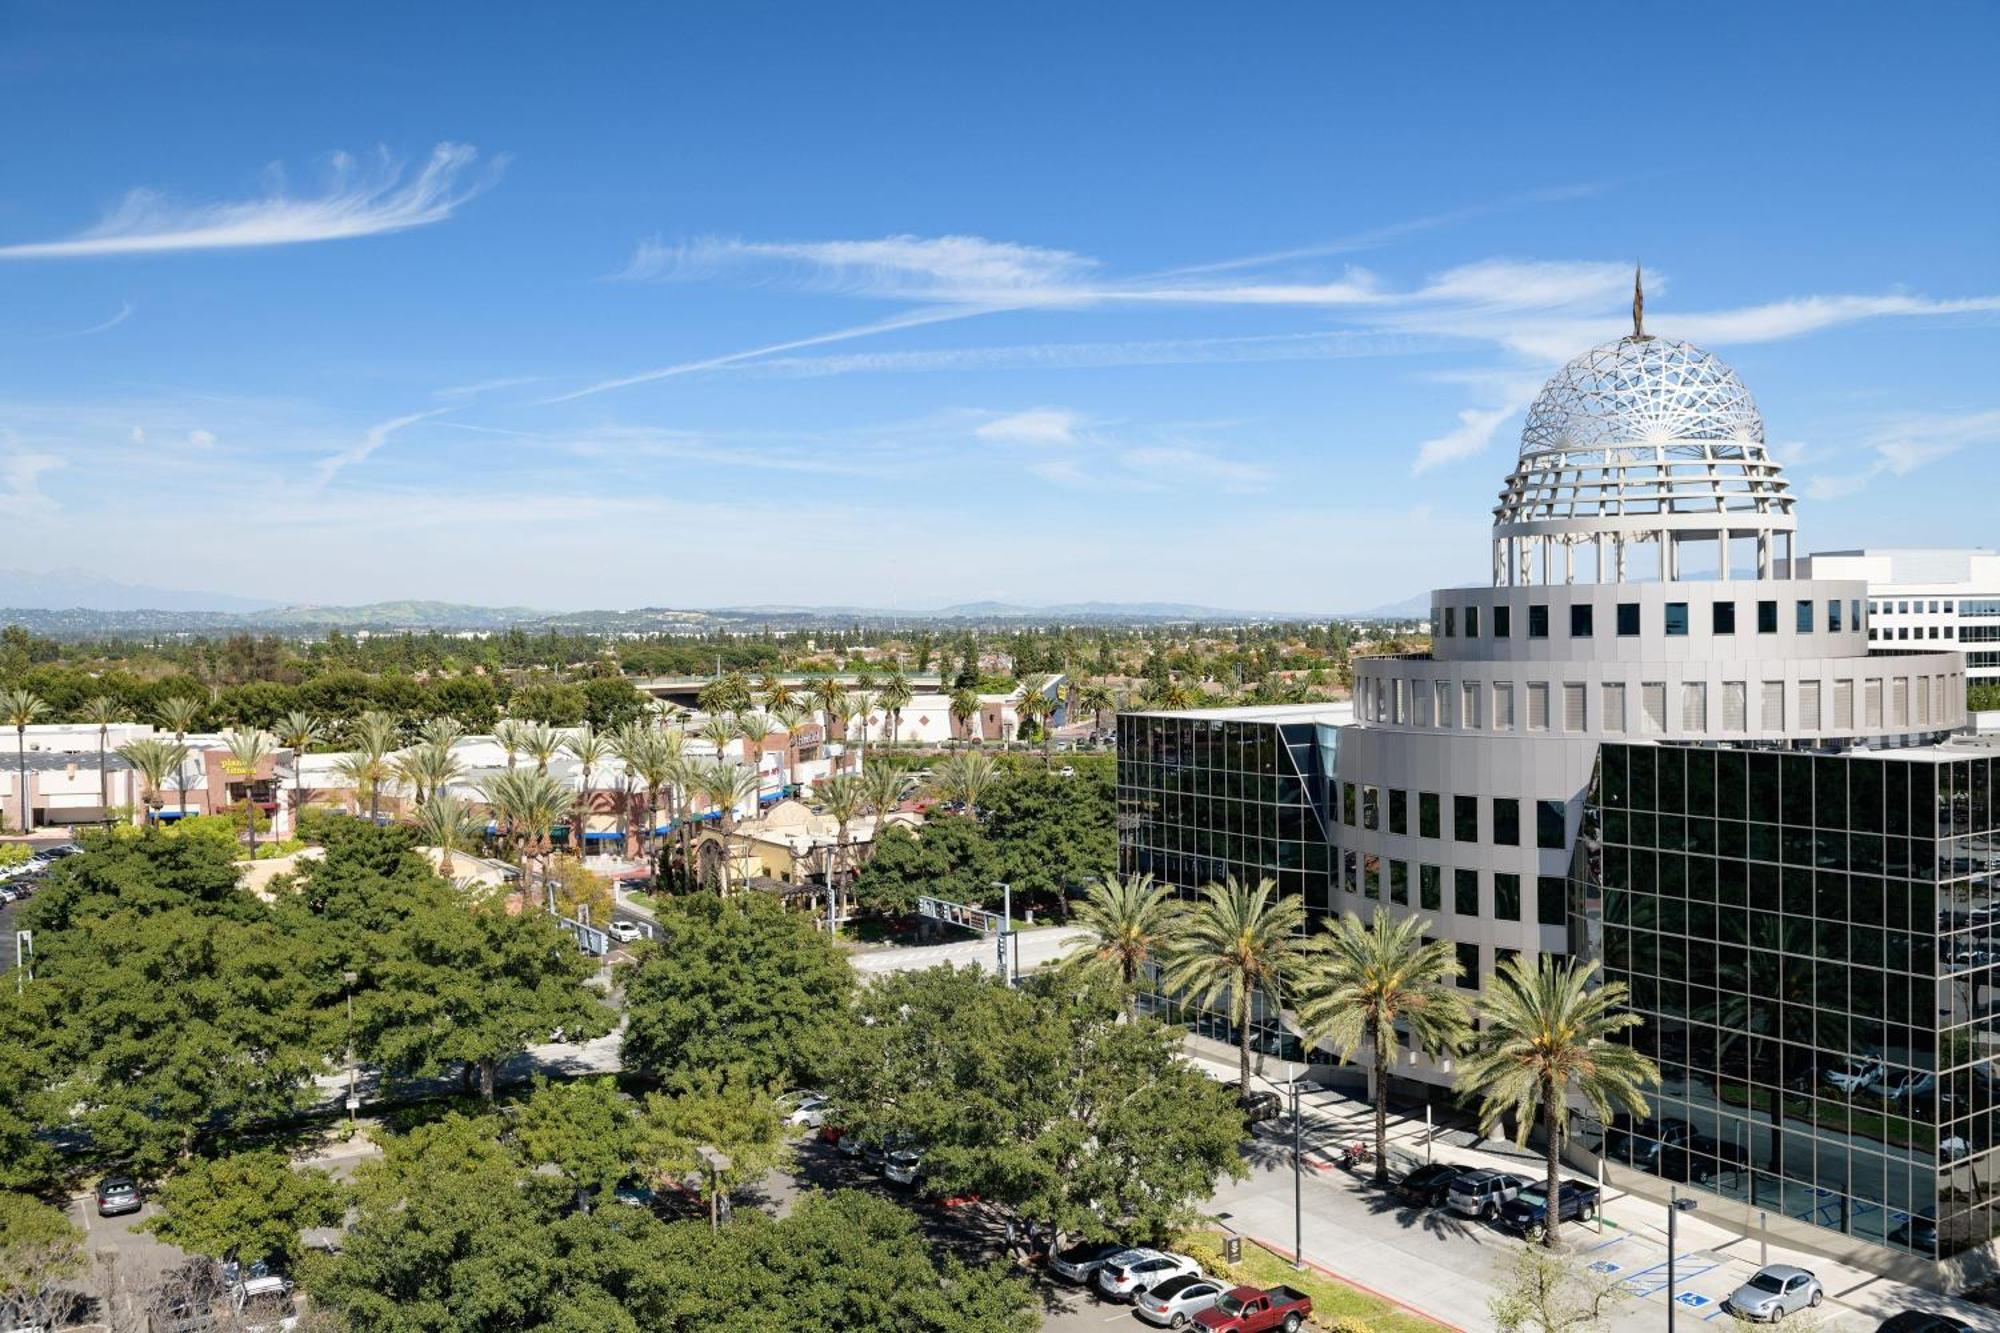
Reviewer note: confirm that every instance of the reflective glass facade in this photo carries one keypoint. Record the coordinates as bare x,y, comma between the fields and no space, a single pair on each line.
1809,940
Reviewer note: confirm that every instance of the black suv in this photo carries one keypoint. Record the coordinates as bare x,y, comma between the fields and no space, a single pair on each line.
1427,1186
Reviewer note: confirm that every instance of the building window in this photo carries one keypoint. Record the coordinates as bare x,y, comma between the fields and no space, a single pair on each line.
1468,966
1843,703
1677,620
1735,705
1549,818
1802,618
1724,614
1371,876
1613,719
1854,613
1465,818
1581,621
1441,697
1506,821
1430,888
1871,696
1352,879
1538,705
1628,619
1399,812
1503,706
1506,897
1469,705
1773,713
1538,622
1503,622
1371,807
1573,718
1427,814
1350,796
1833,616
1809,705
1767,617
1471,622
1451,622
1653,706
1694,705
1399,882
1551,900
1465,892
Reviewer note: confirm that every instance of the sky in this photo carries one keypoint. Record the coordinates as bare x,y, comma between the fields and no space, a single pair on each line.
905,305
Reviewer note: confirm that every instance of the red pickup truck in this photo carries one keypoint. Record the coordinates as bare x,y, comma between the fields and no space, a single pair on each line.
1248,1310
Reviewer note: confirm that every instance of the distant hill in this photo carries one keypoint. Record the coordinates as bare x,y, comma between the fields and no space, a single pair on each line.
82,590
1410,608
398,615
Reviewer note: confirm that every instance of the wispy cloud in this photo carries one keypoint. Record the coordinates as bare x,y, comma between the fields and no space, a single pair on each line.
125,310
20,478
1038,425
372,439
1904,445
1174,465
913,268
1466,440
357,200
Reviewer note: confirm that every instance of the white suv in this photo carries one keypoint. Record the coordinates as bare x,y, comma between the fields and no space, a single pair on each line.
1125,1275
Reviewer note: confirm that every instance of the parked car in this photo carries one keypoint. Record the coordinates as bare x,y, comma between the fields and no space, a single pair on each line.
1428,1186
623,931
903,1166
1257,1107
1672,1149
1923,1321
1125,1275
1773,1292
1079,1263
1857,1072
1174,1302
1904,1085
264,1305
1529,1210
1480,1193
810,1111
1919,1232
118,1194
1248,1310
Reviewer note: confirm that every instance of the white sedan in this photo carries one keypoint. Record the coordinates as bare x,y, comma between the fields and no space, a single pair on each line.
810,1112
1128,1274
623,931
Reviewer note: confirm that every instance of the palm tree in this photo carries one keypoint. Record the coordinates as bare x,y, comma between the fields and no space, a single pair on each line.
1548,1033
965,707
894,698
883,791
512,736
1368,979
844,799
1038,708
727,786
248,749
374,740
102,711
428,769
590,748
1131,922
541,743
861,704
529,805
152,758
964,778
830,697
719,730
180,714
444,732
648,760
778,692
447,822
1098,699
754,728
297,731
20,707
1237,944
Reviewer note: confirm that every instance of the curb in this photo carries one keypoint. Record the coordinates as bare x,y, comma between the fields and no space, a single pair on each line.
1280,1252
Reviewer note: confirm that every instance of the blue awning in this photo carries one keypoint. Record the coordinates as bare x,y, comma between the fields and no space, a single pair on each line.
169,814
610,835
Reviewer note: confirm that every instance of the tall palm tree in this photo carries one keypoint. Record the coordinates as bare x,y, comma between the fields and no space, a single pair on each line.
102,711
755,728
728,786
1548,1033
883,791
590,748
777,691
844,799
1131,922
1368,979
541,743
965,707
21,707
1240,942
448,823
1098,699
648,761
830,696
1038,708
894,698
373,737
247,750
861,705
180,714
152,758
964,778
443,731
511,734
298,731
528,805
428,769
719,730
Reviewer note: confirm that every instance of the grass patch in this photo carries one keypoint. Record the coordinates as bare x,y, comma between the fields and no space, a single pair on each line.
1336,1305
645,901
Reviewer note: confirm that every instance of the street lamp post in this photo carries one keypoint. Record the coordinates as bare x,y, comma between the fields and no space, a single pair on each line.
347,980
1298,1185
717,1163
1006,935
1676,1205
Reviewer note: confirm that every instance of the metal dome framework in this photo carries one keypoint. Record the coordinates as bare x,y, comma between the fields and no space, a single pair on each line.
1645,441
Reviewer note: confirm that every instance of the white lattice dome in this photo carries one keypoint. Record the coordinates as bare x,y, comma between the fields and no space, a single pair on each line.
1642,391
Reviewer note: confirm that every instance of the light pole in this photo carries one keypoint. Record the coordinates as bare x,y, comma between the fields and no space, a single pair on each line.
347,980
24,959
1298,1186
717,1163
1006,928
1676,1205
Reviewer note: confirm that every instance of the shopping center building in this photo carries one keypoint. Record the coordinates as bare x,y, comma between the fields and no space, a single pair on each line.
1652,738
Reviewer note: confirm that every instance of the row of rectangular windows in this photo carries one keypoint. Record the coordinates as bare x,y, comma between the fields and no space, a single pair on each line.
1365,875
1675,622
1902,633
1407,703
1969,607
1362,806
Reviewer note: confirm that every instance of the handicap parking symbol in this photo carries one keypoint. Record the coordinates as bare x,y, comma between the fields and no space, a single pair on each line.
1692,1300
1605,1266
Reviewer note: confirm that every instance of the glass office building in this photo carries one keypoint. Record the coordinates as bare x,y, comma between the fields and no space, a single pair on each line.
1809,939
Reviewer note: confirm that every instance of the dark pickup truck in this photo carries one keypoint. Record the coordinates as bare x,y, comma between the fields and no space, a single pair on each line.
1673,1149
1248,1310
1529,1209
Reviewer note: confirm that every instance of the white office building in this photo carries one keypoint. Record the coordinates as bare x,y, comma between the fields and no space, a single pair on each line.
1937,598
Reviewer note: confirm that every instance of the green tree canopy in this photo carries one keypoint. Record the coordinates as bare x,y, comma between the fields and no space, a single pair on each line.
1051,833
950,857
249,1206
741,983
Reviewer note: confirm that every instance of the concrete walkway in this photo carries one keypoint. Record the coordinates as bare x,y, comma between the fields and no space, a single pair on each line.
1450,1267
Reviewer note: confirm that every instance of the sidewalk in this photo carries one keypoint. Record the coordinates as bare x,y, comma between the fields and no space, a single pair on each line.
1448,1267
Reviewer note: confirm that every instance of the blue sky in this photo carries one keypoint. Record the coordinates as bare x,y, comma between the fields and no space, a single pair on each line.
619,305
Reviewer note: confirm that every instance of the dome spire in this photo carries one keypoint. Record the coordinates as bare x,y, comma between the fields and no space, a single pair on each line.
1638,304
